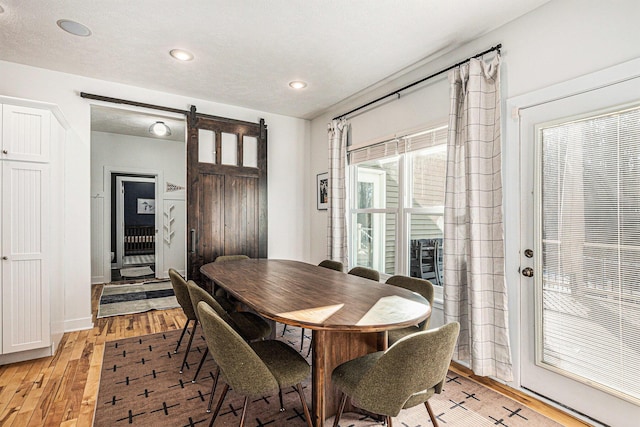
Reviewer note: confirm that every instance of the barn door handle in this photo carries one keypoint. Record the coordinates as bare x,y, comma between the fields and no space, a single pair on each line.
193,240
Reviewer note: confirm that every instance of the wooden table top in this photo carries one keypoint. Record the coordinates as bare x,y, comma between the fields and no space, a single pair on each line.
301,294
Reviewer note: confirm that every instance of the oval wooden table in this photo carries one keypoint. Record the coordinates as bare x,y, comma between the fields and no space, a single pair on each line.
348,315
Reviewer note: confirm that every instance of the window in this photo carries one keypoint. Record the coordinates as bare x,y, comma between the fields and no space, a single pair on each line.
397,205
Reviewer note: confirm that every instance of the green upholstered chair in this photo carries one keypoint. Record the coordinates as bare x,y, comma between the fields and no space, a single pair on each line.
419,286
251,369
332,265
181,291
182,296
406,374
365,272
250,326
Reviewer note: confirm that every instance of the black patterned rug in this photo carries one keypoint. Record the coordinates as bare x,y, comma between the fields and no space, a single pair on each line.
140,385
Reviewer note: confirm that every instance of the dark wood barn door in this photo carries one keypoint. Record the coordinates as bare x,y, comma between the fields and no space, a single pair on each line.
226,191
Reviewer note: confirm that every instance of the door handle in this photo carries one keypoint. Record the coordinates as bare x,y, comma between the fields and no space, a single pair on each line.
193,240
527,272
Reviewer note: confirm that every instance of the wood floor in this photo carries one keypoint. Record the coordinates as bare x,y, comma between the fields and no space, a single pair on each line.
62,390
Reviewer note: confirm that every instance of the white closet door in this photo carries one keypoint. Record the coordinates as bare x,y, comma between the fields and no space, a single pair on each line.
25,134
25,287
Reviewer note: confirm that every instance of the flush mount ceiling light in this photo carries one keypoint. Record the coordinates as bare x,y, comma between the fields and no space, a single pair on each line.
74,28
159,129
297,84
181,54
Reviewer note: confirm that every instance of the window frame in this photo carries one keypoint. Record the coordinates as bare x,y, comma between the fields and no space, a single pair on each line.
402,212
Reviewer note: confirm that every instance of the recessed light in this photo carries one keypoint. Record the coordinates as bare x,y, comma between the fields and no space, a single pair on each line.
159,129
298,84
74,28
181,54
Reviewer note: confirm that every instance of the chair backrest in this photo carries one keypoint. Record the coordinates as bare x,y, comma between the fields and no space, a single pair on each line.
197,294
420,286
367,273
228,258
243,370
415,363
331,264
182,294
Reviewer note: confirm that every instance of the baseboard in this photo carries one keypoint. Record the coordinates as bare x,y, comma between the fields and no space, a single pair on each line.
78,324
21,356
96,280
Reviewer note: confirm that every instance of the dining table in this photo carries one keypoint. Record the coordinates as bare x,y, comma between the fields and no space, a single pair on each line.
349,316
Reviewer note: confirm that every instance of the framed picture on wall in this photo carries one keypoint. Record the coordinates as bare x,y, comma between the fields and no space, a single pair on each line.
322,181
146,206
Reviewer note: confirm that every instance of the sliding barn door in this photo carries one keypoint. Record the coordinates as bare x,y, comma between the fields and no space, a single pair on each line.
227,190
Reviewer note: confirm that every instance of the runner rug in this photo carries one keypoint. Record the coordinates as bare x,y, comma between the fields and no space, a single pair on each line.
136,298
141,386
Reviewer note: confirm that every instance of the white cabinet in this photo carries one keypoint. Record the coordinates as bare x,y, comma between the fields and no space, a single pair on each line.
26,133
30,182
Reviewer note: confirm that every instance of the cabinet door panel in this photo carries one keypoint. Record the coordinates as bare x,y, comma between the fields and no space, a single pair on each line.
25,133
25,290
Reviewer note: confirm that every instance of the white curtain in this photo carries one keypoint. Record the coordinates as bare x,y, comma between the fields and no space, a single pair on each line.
474,286
337,220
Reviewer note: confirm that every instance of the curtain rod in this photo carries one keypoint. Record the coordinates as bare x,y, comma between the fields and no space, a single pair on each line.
397,91
191,114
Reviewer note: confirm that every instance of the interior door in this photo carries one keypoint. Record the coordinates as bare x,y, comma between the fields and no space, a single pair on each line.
580,212
227,190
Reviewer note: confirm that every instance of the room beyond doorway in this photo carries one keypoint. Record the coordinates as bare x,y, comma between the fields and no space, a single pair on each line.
133,230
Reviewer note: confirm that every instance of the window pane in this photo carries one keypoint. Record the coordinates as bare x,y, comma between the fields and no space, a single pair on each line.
428,176
374,241
591,243
250,151
425,246
229,149
206,146
377,185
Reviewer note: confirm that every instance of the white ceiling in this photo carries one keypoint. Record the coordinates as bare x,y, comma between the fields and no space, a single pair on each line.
247,51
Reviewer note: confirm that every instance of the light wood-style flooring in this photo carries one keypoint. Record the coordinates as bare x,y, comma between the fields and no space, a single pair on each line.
62,390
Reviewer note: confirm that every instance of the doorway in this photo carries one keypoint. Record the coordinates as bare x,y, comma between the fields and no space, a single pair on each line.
579,215
134,233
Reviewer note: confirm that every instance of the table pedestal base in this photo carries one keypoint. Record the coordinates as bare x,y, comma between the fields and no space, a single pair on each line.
330,349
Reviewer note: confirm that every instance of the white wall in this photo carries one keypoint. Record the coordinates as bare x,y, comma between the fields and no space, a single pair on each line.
561,40
287,154
114,152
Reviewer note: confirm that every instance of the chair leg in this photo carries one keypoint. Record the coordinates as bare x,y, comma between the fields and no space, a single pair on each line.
280,397
301,339
389,422
186,326
213,388
244,411
284,329
204,356
305,408
310,347
219,405
186,353
434,420
343,400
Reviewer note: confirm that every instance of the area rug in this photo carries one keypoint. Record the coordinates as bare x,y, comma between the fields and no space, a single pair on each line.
136,298
141,385
136,271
